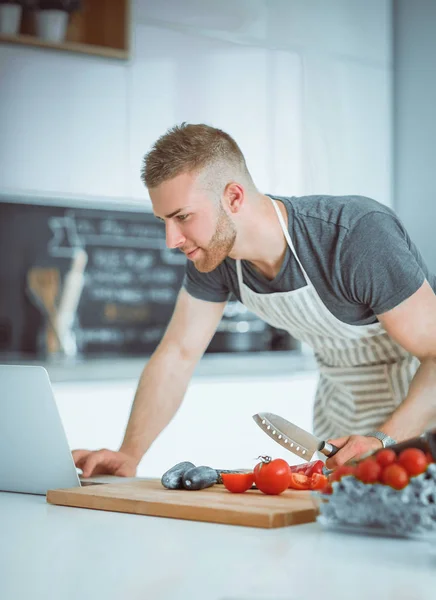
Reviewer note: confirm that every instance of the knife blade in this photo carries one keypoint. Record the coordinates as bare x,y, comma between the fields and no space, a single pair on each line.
293,438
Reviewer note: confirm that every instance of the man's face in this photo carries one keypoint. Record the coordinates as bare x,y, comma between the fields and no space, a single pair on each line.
196,225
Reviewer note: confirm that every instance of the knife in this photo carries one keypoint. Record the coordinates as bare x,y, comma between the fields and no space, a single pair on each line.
293,438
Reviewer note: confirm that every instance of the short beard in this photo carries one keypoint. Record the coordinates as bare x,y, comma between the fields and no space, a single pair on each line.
219,246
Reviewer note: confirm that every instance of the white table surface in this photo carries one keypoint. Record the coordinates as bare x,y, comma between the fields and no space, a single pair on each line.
49,551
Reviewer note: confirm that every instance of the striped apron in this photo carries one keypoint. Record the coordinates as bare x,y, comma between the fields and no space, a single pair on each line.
364,374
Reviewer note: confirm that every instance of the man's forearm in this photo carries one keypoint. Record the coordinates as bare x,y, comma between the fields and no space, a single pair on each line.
418,411
160,392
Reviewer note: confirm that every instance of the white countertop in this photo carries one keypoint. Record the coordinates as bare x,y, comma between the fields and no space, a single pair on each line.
65,553
268,364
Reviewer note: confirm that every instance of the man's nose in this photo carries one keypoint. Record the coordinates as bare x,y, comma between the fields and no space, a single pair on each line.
174,237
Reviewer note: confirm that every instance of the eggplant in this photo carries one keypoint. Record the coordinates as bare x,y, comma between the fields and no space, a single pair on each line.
199,478
173,478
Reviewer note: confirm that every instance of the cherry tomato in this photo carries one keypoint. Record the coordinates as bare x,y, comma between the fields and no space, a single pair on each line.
309,468
315,467
272,476
237,482
368,471
318,482
299,468
395,476
299,481
328,489
385,457
318,467
341,471
413,460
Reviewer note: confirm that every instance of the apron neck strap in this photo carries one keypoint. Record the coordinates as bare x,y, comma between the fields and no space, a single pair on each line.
288,239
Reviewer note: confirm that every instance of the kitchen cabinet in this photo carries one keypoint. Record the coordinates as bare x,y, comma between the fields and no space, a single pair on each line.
178,77
101,28
63,125
343,157
212,427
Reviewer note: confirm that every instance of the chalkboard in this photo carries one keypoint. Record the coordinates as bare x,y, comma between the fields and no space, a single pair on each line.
131,278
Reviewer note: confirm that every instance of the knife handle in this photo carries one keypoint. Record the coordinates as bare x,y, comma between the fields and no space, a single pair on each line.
328,449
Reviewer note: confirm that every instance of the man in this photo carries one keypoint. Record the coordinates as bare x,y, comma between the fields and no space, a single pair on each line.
339,273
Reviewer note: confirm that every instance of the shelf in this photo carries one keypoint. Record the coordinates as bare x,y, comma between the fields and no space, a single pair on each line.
32,40
101,28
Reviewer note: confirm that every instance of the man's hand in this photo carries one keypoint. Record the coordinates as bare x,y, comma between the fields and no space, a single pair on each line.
108,462
352,446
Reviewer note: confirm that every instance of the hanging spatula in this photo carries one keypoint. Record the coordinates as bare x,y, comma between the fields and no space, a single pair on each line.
43,287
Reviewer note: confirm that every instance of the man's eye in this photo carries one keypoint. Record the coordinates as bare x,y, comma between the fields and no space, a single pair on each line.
182,217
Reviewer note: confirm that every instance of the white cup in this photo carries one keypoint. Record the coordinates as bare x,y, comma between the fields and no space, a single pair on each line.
10,18
51,25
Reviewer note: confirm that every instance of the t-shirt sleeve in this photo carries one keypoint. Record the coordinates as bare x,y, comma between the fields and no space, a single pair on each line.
378,267
205,286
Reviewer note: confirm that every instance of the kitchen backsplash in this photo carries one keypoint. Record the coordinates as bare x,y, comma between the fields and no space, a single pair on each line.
92,280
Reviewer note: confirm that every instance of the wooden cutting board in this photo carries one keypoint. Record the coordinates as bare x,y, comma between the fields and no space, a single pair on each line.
214,504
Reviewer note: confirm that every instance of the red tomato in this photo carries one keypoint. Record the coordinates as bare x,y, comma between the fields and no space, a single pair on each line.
429,456
328,489
368,471
272,476
385,457
413,460
299,468
342,471
318,482
299,481
309,468
316,467
237,482
395,476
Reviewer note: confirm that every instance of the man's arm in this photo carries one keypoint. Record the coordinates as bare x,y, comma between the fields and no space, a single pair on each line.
413,325
161,387
164,380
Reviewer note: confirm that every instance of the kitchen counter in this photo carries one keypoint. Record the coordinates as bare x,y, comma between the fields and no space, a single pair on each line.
51,551
211,365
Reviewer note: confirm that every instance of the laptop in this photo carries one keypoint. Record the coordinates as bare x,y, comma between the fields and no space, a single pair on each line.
34,451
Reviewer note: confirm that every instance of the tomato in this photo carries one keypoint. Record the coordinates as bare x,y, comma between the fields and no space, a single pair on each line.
299,481
314,467
429,456
413,460
318,482
328,489
385,457
237,482
272,476
299,468
395,476
318,467
368,471
341,471
309,468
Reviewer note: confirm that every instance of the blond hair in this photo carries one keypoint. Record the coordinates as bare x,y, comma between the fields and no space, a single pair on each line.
194,148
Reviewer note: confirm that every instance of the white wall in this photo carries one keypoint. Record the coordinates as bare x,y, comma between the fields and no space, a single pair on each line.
303,85
414,122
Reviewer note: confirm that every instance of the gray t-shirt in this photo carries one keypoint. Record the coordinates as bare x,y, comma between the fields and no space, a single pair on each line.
355,251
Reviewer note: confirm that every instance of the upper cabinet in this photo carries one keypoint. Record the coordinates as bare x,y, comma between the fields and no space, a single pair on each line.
305,90
63,124
99,27
352,30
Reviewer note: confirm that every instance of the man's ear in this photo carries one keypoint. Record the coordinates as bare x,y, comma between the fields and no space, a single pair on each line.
234,195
